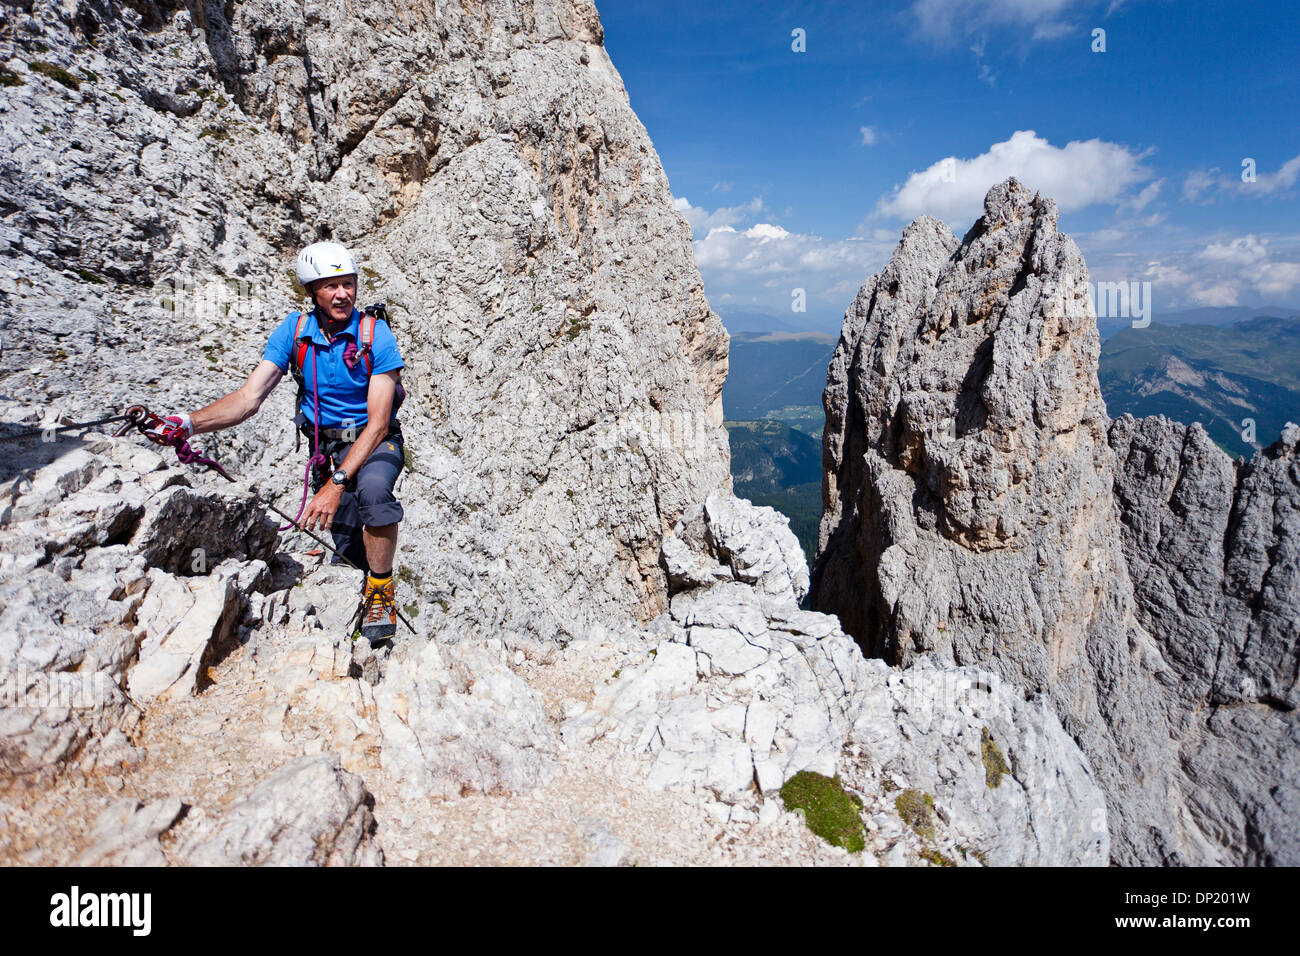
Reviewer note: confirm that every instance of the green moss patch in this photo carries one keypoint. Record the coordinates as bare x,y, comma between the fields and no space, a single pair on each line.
967,851
56,73
994,765
9,78
830,811
935,858
917,810
409,577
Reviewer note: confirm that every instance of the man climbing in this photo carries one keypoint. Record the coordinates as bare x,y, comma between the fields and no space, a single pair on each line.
347,365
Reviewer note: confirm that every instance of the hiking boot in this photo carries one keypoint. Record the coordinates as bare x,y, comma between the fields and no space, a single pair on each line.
379,610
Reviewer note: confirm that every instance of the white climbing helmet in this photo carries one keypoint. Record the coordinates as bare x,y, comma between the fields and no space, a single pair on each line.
321,260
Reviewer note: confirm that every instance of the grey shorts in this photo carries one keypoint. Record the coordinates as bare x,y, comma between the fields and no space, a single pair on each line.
367,500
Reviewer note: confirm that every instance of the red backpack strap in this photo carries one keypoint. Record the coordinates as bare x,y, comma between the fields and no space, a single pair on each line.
367,339
299,354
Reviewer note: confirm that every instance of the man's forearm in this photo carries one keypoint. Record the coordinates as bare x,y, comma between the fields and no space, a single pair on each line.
225,412
366,442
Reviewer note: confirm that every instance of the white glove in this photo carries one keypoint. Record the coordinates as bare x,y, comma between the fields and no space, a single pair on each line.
175,423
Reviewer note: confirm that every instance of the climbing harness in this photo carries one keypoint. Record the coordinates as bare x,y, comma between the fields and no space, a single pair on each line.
158,431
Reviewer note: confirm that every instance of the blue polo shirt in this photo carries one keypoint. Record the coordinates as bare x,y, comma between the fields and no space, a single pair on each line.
343,390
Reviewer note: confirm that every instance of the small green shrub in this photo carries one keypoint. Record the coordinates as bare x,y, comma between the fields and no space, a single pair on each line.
917,810
994,765
56,73
9,78
936,858
830,811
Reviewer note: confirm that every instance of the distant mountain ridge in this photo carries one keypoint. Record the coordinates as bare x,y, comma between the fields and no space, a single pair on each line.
1220,316
1241,382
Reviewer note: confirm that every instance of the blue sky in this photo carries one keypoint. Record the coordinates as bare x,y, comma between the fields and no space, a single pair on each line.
800,169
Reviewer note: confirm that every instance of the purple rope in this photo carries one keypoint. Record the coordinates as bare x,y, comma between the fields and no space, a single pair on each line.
316,457
191,456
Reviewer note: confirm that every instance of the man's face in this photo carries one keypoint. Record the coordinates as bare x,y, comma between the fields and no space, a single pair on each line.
335,296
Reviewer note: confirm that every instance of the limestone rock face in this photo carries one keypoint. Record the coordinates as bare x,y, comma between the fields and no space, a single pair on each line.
309,813
975,511
726,538
179,624
1000,767
126,834
482,161
456,720
1214,551
744,690
968,508
92,627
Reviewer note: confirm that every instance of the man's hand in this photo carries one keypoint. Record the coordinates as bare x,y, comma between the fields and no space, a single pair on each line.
172,428
321,508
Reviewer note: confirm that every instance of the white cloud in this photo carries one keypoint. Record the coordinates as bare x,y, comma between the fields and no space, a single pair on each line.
868,135
1082,173
1241,270
946,20
760,263
1215,295
1284,178
1140,201
1198,183
1274,279
1238,252
723,186
1201,185
765,230
701,220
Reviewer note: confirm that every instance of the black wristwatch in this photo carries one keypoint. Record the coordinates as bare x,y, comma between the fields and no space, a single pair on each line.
339,477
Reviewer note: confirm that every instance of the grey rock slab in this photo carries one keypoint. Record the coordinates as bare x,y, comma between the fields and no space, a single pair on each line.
456,720
126,834
1214,551
310,812
182,622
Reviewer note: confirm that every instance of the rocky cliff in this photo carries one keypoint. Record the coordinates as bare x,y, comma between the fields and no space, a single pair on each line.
161,163
980,507
224,717
609,662
1214,552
